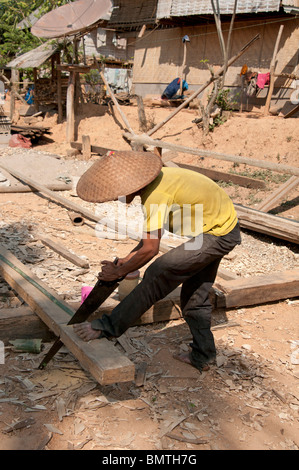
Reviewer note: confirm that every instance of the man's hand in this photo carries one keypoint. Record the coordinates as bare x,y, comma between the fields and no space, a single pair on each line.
110,271
147,248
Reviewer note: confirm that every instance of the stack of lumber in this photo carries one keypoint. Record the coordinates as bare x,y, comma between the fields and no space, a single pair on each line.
33,133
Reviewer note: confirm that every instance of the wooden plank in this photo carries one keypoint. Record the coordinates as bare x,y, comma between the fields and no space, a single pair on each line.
64,252
77,68
257,290
272,225
94,148
227,177
292,112
21,322
106,364
271,201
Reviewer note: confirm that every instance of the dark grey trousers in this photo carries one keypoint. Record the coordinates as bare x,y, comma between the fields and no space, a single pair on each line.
193,267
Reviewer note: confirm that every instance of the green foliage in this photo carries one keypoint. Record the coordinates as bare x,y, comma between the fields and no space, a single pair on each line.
223,100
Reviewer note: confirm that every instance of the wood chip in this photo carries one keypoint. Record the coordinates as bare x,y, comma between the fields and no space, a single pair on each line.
194,441
24,423
53,429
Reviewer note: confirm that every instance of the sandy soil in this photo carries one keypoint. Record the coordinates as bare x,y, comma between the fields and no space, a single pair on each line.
248,401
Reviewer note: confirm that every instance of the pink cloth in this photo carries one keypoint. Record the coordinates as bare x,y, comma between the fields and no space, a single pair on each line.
263,79
85,291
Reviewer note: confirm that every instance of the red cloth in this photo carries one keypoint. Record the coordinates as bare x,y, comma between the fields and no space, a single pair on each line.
18,140
263,79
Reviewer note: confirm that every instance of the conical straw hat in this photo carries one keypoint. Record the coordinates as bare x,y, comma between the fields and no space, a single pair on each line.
119,174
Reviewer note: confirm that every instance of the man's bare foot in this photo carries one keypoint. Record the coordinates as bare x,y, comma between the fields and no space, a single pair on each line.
86,332
185,357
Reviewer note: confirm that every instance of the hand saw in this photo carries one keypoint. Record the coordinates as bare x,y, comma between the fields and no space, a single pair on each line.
101,291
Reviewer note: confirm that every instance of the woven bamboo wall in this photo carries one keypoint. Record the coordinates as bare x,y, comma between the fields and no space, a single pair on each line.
158,57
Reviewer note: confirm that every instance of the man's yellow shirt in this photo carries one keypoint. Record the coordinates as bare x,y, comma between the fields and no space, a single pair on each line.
188,204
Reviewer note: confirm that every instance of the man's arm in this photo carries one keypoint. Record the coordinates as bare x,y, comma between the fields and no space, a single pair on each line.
147,249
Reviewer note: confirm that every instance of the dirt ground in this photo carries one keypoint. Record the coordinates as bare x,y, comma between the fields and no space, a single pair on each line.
248,401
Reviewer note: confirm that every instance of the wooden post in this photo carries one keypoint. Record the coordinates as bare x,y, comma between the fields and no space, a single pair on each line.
272,71
70,108
141,114
36,106
183,67
86,147
14,79
123,116
59,91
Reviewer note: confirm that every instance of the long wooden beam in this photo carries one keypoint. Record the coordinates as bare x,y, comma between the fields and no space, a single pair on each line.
280,168
21,188
100,357
216,175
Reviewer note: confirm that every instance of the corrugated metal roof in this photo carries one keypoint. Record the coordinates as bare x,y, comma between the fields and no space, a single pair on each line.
291,3
168,8
133,13
35,57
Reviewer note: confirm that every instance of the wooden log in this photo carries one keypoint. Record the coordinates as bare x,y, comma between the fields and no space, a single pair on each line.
271,201
257,290
203,87
280,168
227,177
105,363
64,252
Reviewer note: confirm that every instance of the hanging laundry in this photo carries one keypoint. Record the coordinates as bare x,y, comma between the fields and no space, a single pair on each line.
263,79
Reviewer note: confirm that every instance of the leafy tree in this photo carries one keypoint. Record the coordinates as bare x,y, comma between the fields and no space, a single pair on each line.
13,40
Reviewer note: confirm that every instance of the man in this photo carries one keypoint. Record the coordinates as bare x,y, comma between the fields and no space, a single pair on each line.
185,202
171,90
